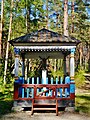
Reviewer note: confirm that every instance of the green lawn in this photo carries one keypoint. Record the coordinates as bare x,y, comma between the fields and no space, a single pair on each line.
83,103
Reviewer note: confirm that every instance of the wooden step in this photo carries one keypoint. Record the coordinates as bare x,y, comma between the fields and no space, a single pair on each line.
44,104
44,108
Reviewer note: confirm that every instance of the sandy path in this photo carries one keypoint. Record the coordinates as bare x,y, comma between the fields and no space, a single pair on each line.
44,116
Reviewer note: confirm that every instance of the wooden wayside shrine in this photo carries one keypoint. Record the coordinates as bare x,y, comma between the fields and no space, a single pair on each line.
44,93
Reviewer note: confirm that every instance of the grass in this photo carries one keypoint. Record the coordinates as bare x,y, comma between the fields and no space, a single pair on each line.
83,103
5,106
6,97
82,100
79,78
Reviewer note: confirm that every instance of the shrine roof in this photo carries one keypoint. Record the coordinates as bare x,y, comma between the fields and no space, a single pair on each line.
44,36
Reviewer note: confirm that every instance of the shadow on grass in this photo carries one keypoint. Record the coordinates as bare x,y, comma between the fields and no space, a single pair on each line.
83,109
83,103
85,97
6,104
5,107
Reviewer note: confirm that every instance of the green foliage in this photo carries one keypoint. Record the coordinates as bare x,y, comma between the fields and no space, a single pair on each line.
6,97
6,91
58,73
79,78
83,103
5,106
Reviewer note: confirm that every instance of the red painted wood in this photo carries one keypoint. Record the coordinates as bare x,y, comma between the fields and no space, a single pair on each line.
24,98
72,95
45,85
56,107
15,91
72,82
40,96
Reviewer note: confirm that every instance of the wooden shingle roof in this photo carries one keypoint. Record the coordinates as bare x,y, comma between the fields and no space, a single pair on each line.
44,36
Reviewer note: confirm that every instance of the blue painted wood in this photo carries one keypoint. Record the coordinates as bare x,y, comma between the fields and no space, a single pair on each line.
32,80
65,92
20,81
61,80
51,84
56,89
72,86
56,80
67,81
46,83
51,80
16,66
37,83
37,80
72,50
23,88
16,51
32,88
28,88
60,88
47,80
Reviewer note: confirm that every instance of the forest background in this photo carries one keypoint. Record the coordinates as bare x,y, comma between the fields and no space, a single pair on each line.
19,17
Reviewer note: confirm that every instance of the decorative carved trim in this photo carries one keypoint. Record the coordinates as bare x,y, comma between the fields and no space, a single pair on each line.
17,55
72,55
16,51
72,77
16,77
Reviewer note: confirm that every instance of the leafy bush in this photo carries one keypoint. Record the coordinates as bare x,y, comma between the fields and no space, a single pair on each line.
79,78
6,91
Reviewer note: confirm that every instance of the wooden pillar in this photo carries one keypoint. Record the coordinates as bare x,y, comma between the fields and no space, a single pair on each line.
44,76
64,60
44,71
16,70
72,66
16,62
23,65
72,83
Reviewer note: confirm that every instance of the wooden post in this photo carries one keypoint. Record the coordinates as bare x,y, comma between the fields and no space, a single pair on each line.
44,76
28,89
32,89
67,90
16,62
16,69
64,60
61,88
37,83
72,71
23,88
16,93
72,83
51,84
56,88
23,65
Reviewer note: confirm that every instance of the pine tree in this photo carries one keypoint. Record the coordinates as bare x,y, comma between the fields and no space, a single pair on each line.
66,17
1,27
7,49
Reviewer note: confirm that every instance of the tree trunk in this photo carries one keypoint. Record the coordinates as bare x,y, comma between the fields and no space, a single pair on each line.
89,57
80,50
47,14
66,17
7,49
26,16
1,26
72,7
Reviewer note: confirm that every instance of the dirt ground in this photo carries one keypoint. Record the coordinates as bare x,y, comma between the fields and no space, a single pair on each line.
45,116
26,115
